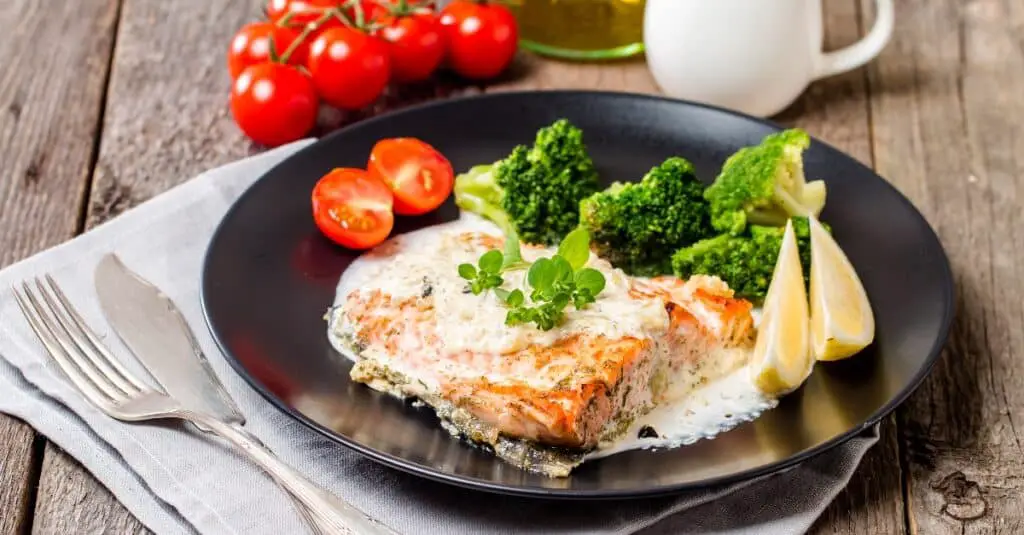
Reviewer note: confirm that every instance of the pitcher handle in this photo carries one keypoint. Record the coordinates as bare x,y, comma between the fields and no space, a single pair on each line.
862,51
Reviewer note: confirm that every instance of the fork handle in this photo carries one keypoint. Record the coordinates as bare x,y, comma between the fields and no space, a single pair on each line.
326,514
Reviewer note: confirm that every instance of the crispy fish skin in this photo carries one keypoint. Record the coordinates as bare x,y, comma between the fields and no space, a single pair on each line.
542,406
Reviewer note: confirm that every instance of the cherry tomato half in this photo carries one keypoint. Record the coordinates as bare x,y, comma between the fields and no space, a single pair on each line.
481,37
251,45
352,208
273,103
417,174
416,44
350,69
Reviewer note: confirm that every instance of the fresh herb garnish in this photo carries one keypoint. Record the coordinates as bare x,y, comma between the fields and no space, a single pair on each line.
554,282
486,274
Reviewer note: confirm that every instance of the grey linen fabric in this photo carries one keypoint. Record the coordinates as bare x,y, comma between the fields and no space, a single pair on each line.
176,480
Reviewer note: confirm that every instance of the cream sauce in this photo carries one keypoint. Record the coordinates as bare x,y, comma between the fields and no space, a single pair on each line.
477,322
467,321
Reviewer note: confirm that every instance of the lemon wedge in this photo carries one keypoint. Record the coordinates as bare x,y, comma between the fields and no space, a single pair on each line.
782,357
842,322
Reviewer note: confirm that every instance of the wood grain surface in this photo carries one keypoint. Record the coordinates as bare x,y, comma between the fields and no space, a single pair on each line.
940,114
166,120
947,101
49,113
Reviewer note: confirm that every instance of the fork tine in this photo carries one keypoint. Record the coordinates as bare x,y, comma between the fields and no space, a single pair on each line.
73,346
120,375
34,316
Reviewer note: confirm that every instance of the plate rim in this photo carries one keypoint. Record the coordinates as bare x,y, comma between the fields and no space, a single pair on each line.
474,483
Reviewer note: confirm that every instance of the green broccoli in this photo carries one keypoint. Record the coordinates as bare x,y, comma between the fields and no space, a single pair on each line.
745,262
534,191
637,226
765,185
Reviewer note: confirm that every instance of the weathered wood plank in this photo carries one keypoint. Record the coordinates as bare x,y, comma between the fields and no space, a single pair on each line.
168,117
166,120
83,507
532,72
49,113
949,132
17,461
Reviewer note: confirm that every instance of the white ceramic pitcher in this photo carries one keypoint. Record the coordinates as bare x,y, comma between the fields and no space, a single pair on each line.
754,56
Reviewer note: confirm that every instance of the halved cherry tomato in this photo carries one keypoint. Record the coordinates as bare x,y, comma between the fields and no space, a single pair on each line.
417,174
352,208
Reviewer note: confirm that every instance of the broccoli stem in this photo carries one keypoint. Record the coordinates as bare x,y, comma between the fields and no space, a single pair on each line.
480,206
477,191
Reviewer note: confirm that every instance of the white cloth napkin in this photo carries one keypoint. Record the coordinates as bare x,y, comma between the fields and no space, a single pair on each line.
178,481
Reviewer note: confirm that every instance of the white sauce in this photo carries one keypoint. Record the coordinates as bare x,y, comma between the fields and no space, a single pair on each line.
705,412
699,413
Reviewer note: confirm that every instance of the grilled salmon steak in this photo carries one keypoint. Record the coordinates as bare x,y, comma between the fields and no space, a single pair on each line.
541,399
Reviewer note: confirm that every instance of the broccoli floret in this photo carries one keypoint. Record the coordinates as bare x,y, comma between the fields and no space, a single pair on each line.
744,262
534,191
637,226
765,185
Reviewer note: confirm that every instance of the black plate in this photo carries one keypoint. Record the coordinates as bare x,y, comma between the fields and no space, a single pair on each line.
269,277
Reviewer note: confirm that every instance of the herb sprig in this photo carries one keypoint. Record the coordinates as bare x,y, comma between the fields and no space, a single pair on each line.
486,274
553,282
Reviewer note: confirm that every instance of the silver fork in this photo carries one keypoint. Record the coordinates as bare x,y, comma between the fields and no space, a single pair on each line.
104,381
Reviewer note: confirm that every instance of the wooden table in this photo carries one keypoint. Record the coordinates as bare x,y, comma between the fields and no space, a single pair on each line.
105,103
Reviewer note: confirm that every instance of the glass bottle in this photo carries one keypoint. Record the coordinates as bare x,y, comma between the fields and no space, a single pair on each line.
581,29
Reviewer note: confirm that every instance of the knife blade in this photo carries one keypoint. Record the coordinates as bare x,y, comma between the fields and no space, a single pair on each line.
153,328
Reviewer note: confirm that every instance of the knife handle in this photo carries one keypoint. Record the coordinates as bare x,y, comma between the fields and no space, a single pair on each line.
326,514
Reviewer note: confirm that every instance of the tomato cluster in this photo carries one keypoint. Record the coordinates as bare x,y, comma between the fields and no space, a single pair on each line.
356,208
344,53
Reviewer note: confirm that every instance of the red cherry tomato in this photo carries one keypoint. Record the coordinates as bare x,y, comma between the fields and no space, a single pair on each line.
350,69
415,43
482,37
273,103
417,174
251,45
302,11
372,11
352,208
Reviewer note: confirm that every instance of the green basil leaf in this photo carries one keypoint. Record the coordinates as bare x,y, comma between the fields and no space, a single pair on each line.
514,316
513,253
560,300
491,261
563,269
467,271
515,298
541,275
582,298
575,248
502,294
591,280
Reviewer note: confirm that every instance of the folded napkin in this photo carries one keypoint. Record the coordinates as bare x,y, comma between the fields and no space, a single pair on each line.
178,481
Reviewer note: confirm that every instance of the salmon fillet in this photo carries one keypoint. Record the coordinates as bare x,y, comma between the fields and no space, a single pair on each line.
538,398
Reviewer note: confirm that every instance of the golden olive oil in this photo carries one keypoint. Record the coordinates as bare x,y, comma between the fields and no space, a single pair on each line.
581,29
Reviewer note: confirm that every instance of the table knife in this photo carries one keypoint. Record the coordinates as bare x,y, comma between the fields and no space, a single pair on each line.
149,323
